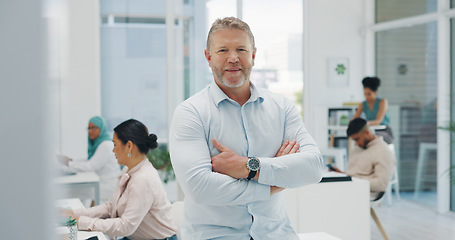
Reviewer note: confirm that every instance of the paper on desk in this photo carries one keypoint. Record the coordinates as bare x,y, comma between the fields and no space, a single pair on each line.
334,174
69,203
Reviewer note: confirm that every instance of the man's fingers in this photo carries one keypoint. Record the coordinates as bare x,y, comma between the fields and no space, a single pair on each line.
289,147
280,151
219,146
295,148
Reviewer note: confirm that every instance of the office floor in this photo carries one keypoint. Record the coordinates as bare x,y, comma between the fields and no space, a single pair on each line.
406,219
428,198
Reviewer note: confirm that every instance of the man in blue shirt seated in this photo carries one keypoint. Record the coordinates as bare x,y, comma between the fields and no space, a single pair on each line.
235,147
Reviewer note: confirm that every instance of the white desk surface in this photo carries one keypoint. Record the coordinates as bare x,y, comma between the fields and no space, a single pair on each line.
79,177
82,179
75,203
82,235
317,236
341,209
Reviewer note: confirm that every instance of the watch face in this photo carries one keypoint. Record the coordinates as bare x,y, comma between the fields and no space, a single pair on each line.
253,164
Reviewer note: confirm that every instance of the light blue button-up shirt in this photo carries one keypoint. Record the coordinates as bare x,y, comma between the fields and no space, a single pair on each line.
218,206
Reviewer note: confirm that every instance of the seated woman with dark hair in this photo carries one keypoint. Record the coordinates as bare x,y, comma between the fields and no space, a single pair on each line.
139,208
375,108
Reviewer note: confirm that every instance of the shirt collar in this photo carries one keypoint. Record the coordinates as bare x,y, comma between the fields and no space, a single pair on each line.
218,95
135,168
377,139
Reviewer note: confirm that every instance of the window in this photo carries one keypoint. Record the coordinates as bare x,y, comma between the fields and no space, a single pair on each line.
387,10
133,62
133,74
278,30
277,27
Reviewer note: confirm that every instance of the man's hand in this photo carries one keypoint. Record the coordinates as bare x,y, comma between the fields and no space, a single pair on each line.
288,147
275,189
228,162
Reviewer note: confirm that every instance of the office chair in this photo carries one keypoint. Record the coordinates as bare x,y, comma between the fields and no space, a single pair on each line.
394,182
377,201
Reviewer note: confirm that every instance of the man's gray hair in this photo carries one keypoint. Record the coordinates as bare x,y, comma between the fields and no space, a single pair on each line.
229,23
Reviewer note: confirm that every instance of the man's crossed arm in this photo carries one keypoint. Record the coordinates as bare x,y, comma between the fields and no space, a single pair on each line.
231,164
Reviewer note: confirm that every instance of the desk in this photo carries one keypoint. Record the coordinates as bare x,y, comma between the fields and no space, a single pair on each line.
82,180
341,209
317,236
75,203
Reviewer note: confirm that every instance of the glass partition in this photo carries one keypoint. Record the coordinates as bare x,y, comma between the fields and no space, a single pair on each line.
452,112
406,62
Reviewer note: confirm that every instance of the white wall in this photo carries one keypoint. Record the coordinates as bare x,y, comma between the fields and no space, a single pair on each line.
80,97
332,28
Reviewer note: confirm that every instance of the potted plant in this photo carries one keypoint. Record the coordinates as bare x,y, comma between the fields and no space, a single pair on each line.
71,224
161,160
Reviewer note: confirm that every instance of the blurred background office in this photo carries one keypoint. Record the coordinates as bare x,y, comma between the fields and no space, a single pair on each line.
63,61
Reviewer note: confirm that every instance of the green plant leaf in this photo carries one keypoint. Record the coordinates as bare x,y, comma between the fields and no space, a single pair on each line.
161,160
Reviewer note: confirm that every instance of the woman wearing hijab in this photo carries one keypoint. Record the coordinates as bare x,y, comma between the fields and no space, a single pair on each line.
100,158
139,208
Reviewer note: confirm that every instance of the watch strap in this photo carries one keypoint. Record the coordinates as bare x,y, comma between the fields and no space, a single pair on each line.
251,174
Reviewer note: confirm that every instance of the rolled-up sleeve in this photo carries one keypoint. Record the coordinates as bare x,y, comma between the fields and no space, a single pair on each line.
140,198
191,161
298,169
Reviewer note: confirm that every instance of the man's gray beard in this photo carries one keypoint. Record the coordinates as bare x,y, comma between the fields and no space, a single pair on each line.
232,86
225,83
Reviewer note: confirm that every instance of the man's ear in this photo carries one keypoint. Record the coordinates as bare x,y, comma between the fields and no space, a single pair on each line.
208,56
254,55
368,133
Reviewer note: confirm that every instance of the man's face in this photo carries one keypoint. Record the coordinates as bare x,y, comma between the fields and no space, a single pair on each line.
231,57
360,139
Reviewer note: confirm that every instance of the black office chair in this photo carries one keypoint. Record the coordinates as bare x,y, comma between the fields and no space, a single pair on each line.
378,201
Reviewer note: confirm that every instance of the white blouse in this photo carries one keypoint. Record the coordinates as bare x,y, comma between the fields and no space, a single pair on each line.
104,164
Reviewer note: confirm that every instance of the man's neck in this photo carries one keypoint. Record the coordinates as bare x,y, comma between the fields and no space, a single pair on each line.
373,137
239,94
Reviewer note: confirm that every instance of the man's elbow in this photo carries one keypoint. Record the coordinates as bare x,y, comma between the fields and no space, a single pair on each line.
315,176
197,197
309,177
196,192
318,167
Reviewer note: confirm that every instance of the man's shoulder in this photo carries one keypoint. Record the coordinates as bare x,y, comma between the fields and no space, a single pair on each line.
273,97
198,99
380,143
